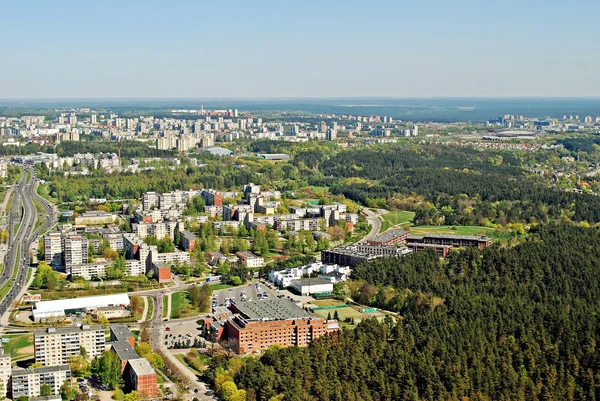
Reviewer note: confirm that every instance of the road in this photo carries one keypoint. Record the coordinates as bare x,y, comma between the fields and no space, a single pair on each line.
375,223
183,373
24,213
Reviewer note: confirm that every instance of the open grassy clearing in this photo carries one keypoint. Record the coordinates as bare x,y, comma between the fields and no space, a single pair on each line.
181,305
19,344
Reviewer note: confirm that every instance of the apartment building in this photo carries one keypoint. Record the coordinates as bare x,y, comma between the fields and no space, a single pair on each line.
140,376
89,270
391,237
75,251
53,250
250,260
259,324
5,371
28,382
53,346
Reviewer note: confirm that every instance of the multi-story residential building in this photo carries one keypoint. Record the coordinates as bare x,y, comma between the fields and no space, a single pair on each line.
259,324
140,376
134,267
53,346
250,260
75,251
28,382
149,200
95,217
53,250
159,230
5,372
89,270
189,240
310,224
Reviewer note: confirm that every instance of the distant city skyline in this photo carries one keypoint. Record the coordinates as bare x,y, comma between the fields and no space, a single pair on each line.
285,50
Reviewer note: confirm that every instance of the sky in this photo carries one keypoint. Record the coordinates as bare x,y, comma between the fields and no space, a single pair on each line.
291,49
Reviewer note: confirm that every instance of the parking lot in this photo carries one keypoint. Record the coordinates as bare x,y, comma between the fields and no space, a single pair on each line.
251,291
181,332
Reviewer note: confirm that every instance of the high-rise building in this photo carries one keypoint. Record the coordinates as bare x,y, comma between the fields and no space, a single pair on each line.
94,119
53,250
75,251
53,346
5,362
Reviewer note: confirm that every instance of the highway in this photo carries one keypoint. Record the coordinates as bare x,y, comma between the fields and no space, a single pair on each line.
24,213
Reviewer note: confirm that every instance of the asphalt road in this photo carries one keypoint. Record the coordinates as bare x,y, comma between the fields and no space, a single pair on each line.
373,221
24,212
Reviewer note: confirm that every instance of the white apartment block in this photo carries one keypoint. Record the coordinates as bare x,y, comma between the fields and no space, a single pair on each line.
134,267
53,346
28,382
75,251
5,372
89,270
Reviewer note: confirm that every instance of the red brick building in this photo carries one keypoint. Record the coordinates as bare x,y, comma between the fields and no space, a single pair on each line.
140,376
259,324
391,237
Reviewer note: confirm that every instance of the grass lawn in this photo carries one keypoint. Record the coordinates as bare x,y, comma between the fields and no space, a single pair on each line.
395,218
150,307
328,302
17,343
216,287
458,230
44,191
343,313
9,284
181,357
181,305
165,306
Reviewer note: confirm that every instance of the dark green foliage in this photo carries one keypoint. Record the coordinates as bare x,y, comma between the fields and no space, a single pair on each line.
499,324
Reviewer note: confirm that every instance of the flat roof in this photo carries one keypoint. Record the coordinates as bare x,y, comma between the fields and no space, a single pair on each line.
124,350
311,281
121,332
141,367
389,235
80,303
272,310
455,236
66,330
45,369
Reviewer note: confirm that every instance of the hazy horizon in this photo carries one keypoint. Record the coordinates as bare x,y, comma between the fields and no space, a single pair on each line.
269,49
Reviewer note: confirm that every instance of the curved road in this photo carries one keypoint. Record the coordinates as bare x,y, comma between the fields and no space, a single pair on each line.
24,212
374,222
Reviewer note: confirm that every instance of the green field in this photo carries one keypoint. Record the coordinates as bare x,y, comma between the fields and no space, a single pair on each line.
328,302
343,313
16,343
150,302
43,191
318,189
216,287
458,230
395,218
165,306
181,305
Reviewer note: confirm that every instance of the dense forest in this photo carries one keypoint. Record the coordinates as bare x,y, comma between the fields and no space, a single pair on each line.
499,324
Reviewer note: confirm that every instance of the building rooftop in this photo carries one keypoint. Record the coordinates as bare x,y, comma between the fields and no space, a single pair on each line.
124,350
80,303
141,367
272,310
311,281
66,330
121,332
389,235
455,236
431,245
45,369
247,255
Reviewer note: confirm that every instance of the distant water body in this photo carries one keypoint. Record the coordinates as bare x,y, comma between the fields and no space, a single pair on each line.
416,109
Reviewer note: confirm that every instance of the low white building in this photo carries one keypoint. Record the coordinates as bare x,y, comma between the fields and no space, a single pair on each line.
250,260
310,286
62,307
332,273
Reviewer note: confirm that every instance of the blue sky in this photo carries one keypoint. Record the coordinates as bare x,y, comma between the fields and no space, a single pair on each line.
258,49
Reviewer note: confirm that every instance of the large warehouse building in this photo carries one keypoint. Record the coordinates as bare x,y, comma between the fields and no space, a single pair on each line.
63,307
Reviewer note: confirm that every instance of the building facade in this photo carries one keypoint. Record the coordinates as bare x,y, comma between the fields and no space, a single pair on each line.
54,346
